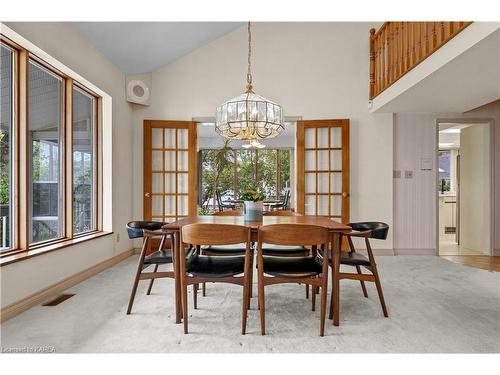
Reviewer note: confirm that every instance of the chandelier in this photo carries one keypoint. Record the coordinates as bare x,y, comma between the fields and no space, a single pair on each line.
249,116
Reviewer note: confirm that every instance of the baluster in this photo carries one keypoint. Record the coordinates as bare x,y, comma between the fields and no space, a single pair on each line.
372,63
396,50
413,27
385,58
401,48
443,37
433,36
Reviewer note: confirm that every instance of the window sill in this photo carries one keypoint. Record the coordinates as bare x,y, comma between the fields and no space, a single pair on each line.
18,255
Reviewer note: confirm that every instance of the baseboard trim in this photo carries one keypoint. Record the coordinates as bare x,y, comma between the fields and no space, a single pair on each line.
377,252
496,253
416,252
38,297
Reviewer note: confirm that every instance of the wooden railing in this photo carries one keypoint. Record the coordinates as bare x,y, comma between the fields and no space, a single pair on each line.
399,46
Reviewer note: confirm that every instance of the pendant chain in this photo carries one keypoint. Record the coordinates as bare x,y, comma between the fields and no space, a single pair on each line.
249,72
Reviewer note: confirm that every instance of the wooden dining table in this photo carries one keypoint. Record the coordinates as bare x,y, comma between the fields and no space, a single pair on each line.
335,229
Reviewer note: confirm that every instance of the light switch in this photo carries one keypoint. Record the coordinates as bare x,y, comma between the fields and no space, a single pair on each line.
426,164
408,174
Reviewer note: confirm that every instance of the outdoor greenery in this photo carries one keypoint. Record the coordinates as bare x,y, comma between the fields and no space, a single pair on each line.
234,171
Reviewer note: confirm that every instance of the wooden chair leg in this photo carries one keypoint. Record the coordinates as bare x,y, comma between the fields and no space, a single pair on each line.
245,304
134,289
262,305
379,290
151,282
204,289
330,314
365,293
195,296
313,299
307,291
251,279
323,309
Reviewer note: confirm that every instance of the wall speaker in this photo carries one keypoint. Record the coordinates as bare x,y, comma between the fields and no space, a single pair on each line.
138,88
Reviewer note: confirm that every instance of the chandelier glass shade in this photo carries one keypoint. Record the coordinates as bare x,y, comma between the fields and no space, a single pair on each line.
249,116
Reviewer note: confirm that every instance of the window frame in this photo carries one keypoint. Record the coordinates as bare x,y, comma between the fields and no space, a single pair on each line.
21,248
13,183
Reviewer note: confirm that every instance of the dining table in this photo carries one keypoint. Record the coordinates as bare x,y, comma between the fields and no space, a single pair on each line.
335,229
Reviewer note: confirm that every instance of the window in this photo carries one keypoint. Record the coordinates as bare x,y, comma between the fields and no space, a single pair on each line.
49,192
445,170
232,171
45,122
6,133
83,161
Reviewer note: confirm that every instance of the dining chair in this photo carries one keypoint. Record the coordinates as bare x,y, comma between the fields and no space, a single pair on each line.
148,230
296,251
223,269
221,204
284,203
279,269
366,230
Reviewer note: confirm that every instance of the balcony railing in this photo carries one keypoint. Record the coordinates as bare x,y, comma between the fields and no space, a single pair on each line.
398,47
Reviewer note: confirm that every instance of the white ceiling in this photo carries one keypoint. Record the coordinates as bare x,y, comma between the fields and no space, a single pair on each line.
140,47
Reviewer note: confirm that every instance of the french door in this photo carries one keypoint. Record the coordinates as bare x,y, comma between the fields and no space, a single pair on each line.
323,168
169,170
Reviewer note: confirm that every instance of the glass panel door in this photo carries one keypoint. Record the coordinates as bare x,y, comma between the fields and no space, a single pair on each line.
323,168
169,151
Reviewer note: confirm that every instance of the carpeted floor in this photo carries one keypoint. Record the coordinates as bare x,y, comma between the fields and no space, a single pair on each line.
434,306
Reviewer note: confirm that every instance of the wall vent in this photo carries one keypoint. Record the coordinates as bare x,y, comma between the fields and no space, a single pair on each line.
59,299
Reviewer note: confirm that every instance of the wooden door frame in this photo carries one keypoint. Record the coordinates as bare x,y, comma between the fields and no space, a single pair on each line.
300,139
192,162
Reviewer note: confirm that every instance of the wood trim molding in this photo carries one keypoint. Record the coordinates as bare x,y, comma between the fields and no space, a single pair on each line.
378,252
416,252
40,296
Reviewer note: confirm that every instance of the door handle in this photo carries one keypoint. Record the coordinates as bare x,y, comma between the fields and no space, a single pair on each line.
147,195
345,195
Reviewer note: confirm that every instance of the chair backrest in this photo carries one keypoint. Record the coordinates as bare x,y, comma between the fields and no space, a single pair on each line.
281,213
378,229
286,199
135,228
293,234
219,200
215,234
229,213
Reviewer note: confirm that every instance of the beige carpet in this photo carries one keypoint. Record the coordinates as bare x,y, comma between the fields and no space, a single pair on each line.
434,306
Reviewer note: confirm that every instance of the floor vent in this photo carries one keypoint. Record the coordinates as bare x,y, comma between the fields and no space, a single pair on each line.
59,299
450,230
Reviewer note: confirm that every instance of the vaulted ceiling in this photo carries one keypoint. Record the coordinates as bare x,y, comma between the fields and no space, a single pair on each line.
139,47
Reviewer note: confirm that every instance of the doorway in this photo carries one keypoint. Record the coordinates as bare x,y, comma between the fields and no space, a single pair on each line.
464,193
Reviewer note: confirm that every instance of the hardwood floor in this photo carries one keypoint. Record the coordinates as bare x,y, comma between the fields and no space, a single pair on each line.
484,262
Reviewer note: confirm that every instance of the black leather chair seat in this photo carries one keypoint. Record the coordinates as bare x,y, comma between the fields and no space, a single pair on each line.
223,250
134,228
291,266
354,259
276,250
379,230
216,266
158,257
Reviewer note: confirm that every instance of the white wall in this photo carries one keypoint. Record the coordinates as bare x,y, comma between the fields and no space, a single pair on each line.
22,279
314,70
415,200
475,188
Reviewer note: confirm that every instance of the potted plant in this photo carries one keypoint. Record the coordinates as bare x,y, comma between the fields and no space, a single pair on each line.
253,200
